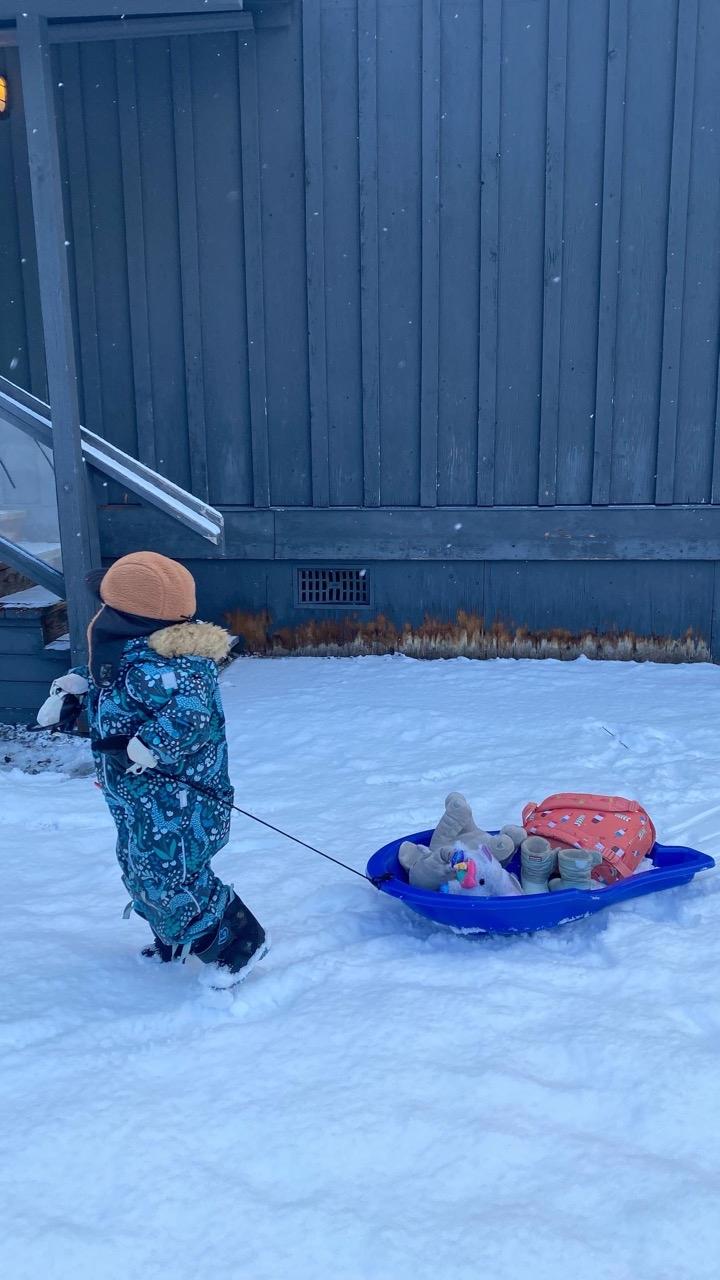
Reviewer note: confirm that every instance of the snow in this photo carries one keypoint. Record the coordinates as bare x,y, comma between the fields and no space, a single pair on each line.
23,748
31,598
382,1100
62,642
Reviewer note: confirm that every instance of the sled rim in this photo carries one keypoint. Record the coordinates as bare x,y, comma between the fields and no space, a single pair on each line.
674,865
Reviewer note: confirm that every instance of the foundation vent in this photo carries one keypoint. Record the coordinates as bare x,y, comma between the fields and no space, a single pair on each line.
332,588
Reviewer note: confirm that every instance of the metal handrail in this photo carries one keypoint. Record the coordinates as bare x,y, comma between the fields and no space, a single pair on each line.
22,410
32,567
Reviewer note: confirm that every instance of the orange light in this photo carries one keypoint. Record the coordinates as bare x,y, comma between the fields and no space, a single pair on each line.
4,97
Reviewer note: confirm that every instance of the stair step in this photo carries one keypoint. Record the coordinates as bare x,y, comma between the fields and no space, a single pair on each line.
38,668
21,697
31,600
35,606
61,645
34,649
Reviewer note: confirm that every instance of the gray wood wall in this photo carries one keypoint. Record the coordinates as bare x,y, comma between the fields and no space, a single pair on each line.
441,260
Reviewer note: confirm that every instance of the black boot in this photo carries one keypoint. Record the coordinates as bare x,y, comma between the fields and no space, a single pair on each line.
158,950
236,945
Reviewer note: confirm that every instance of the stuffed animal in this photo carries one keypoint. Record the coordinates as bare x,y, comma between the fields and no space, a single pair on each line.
430,867
458,827
481,875
427,869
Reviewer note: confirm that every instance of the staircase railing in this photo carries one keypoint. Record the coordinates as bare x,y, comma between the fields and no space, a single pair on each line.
20,409
32,567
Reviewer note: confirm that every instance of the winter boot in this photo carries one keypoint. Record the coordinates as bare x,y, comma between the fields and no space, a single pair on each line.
158,950
235,947
575,868
537,863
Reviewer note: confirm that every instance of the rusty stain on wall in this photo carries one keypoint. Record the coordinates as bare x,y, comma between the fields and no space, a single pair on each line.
467,636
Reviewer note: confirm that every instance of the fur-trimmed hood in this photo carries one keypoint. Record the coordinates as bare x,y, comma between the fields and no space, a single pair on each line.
192,639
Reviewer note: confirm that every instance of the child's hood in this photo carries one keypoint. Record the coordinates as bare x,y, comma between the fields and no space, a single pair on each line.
191,640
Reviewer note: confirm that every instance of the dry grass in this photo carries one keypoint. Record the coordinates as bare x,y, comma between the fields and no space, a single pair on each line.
467,636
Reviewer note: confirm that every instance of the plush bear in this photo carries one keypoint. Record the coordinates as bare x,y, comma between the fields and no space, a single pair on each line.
431,867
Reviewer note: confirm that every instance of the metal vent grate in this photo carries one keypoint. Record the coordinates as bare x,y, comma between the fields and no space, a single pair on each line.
334,588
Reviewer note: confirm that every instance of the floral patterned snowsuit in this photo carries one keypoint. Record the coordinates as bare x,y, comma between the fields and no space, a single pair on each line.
167,832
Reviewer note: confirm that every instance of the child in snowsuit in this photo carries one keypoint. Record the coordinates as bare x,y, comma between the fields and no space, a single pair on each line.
152,699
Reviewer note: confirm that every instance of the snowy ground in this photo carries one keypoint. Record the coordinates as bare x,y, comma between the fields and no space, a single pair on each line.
383,1100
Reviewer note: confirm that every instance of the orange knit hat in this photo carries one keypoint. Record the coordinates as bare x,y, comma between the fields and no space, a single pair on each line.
150,586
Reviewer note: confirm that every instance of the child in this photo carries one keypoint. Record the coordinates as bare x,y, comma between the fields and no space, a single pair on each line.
153,704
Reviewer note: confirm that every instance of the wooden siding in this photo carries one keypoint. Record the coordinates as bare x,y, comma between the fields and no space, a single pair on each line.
414,279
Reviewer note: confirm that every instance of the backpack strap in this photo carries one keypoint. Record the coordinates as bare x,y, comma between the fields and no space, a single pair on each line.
578,800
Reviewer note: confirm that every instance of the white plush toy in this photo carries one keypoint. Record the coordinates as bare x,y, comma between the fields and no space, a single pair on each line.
480,874
457,833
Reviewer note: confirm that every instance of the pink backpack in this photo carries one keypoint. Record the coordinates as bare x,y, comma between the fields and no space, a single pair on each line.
618,829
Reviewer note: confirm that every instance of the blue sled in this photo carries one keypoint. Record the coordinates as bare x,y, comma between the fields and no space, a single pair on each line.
672,866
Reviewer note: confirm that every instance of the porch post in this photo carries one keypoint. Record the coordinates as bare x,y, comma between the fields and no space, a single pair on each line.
74,516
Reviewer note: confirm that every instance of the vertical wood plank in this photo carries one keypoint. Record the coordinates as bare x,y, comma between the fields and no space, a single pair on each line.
80,212
584,117
112,302
554,240
135,248
610,249
342,253
13,328
685,62
369,247
715,619
28,260
697,478
430,296
460,254
189,262
715,486
254,285
161,233
14,340
489,249
315,251
222,269
50,237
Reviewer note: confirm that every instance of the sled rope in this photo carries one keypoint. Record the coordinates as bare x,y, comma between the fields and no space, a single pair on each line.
119,743
262,822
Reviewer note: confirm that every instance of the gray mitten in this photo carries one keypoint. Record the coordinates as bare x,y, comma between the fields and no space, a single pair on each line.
426,868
